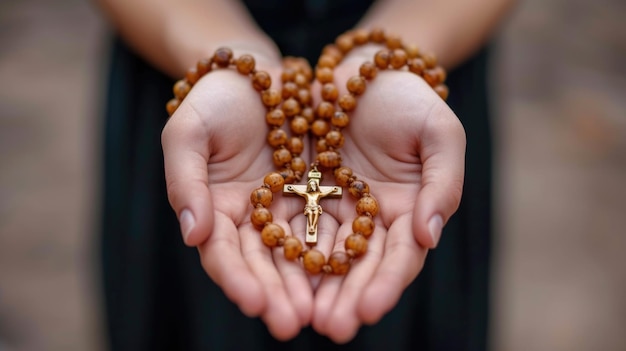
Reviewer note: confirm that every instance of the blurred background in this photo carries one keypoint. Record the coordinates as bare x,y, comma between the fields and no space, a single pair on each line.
559,82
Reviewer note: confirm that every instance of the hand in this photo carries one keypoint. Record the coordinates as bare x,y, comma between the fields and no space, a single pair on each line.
216,153
406,143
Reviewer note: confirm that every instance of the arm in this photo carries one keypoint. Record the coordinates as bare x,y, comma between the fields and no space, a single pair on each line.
174,34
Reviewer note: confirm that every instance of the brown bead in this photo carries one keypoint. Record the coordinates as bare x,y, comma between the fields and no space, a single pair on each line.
344,42
281,157
290,89
272,235
276,138
347,102
368,70
334,139
333,50
292,248
398,58
434,76
363,225
357,188
393,41
288,75
295,145
340,119
304,97
299,125
330,92
291,107
325,110
360,36
275,117
245,64
181,89
261,80
324,74
339,262
343,176
381,59
192,76
288,174
204,66
261,195
412,51
356,245
442,91
313,261
377,35
260,216
327,61
305,69
270,97
320,127
329,159
356,85
367,205
430,60
222,57
417,66
320,145
301,80
298,165
274,181
308,113
172,105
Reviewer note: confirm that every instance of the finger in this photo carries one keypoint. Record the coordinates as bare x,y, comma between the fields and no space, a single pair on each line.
442,153
185,155
403,259
222,260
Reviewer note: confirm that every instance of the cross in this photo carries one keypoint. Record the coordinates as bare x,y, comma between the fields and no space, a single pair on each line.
313,193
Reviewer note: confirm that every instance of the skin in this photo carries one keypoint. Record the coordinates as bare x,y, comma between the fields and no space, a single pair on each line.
413,158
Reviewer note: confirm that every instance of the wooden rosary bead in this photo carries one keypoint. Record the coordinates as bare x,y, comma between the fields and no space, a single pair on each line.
393,41
245,64
442,91
304,97
377,35
261,80
276,138
301,80
356,85
347,102
329,159
181,89
333,50
345,43
275,118
192,76
320,146
222,57
327,61
325,110
291,107
274,181
417,66
430,60
270,97
172,105
357,188
308,114
320,128
324,75
313,261
335,139
299,125
295,145
272,234
292,248
290,89
356,245
343,176
368,70
412,51
281,157
381,59
340,119
262,196
298,165
397,59
339,263
330,92
204,66
360,36
363,225
288,174
260,216
288,75
367,205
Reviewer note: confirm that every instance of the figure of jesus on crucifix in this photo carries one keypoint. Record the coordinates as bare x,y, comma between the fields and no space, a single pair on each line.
313,193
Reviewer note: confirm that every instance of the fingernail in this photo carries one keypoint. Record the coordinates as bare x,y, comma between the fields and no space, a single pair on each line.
187,222
435,225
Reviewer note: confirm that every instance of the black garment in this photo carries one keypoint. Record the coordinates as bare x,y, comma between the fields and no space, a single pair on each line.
157,295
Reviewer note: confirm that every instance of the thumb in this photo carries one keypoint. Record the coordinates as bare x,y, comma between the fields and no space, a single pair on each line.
443,160
186,154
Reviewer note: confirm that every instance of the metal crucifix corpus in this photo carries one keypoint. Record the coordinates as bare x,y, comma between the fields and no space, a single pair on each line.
313,193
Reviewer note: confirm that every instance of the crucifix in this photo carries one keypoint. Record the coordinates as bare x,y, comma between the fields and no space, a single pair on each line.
313,192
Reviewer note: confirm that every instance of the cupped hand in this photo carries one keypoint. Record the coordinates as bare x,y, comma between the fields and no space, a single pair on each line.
406,143
216,153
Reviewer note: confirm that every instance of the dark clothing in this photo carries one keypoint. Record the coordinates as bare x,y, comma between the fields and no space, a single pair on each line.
157,295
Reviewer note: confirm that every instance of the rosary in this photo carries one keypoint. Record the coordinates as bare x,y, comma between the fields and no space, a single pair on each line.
293,103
